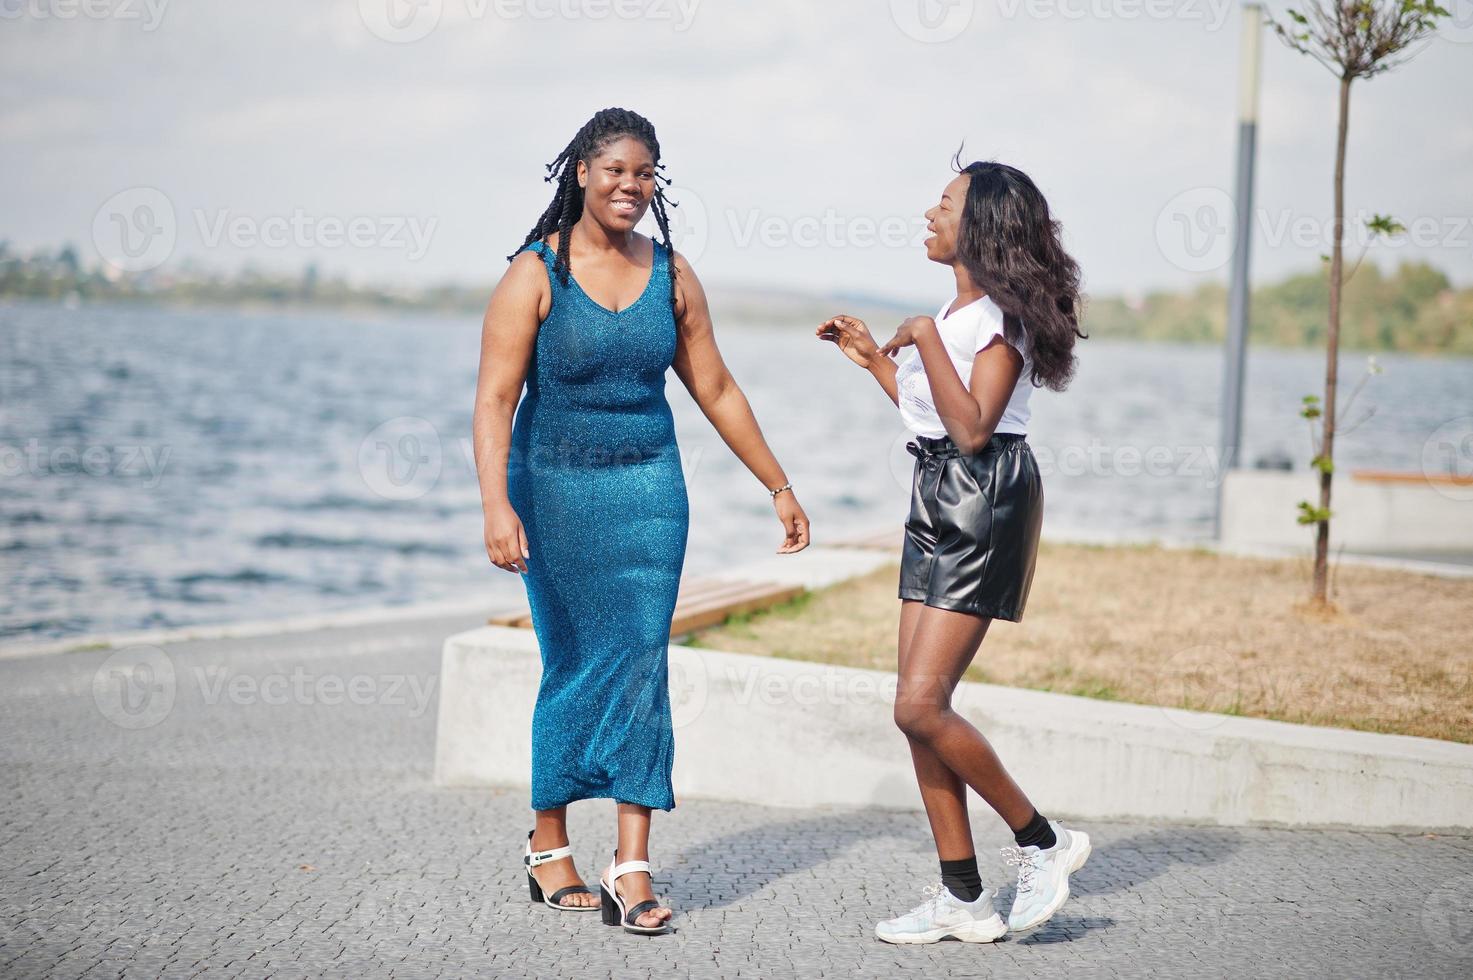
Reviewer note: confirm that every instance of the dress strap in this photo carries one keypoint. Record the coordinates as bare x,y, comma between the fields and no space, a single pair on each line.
663,261
549,263
540,247
664,265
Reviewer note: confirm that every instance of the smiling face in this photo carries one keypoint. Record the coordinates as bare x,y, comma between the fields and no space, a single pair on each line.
944,220
618,183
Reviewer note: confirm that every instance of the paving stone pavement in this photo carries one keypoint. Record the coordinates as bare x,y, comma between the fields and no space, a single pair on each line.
264,808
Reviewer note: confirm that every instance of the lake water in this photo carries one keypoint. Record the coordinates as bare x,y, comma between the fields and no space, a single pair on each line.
162,468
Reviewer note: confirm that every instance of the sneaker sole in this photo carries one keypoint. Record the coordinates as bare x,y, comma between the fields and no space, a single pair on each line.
1083,850
980,931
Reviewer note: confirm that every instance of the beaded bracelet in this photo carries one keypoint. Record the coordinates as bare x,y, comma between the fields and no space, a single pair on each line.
785,486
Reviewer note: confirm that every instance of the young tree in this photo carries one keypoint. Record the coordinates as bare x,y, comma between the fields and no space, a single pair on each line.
1353,39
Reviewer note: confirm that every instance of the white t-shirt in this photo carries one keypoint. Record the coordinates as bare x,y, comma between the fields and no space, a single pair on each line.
965,332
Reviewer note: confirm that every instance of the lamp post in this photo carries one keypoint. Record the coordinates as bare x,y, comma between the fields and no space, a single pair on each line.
1237,323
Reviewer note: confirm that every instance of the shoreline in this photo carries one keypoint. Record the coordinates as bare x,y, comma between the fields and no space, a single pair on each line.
776,318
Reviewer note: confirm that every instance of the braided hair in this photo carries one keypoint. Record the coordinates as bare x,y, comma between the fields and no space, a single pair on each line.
606,126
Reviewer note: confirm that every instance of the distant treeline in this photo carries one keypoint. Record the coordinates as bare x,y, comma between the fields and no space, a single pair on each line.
61,276
1414,309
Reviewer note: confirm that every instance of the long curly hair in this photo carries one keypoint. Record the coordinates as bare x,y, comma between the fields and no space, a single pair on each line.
1010,245
606,126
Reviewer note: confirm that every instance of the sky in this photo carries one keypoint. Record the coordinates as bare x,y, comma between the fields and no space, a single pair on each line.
404,141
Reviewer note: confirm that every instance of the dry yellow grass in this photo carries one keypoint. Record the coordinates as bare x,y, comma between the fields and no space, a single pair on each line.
1184,629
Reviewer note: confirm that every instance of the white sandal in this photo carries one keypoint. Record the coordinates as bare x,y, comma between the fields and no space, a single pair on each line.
612,902
531,860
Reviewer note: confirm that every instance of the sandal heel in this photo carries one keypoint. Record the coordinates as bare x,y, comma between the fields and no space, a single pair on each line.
608,907
614,911
535,891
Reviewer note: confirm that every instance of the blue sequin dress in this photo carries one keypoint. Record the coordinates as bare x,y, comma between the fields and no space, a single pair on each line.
595,477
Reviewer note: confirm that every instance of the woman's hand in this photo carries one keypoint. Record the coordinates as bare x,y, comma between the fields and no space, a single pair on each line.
852,337
506,539
790,512
906,336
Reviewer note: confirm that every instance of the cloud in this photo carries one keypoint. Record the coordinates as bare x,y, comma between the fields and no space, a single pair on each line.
788,112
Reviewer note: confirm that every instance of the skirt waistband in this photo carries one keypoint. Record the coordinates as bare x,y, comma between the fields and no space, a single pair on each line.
943,448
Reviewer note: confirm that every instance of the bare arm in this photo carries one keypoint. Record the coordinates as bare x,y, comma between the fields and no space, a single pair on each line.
853,338
699,365
508,336
883,369
969,411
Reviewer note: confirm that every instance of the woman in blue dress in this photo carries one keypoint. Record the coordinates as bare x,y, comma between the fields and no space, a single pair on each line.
585,498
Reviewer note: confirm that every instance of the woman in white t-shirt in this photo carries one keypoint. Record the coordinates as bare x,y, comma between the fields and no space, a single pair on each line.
971,538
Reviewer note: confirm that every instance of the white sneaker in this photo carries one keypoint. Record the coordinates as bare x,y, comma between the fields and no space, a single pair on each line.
942,914
1043,876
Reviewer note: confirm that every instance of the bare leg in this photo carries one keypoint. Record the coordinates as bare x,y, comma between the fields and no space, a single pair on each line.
942,645
551,830
634,845
942,791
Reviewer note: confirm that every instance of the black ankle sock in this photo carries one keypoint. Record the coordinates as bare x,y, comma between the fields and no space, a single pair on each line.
1037,833
962,879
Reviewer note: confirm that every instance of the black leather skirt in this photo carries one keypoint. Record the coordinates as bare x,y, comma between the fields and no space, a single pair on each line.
971,539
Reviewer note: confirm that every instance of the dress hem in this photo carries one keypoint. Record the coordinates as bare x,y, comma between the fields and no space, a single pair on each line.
610,795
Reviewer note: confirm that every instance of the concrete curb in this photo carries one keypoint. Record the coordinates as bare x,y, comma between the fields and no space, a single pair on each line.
786,732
